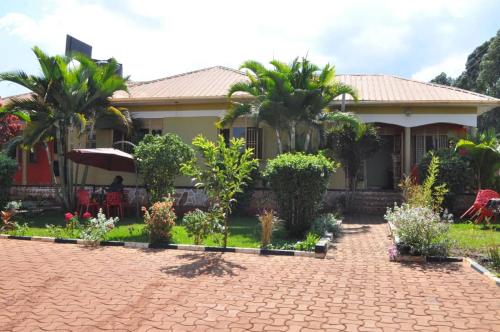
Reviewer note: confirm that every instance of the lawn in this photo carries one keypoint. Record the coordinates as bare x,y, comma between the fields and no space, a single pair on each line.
472,239
244,231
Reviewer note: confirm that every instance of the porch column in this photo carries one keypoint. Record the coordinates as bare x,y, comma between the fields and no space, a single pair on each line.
407,152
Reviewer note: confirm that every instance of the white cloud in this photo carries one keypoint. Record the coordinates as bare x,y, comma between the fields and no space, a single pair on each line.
452,66
155,38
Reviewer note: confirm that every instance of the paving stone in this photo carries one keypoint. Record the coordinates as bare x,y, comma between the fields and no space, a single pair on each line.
48,286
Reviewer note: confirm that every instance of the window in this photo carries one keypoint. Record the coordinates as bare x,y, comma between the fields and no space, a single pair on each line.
253,138
91,139
119,136
421,144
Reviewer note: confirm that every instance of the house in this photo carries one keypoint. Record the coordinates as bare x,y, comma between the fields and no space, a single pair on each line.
413,117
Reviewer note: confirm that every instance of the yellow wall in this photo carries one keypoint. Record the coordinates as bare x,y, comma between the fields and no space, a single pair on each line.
189,127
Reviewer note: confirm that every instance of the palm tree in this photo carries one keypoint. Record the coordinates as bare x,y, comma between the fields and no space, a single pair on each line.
64,98
286,96
483,150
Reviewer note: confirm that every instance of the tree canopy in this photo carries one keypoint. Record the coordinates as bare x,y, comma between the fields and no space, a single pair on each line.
292,98
482,75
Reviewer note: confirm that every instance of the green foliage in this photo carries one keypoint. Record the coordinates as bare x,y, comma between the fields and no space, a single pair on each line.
299,182
443,79
70,92
309,243
159,159
454,171
287,97
483,150
200,225
429,194
351,146
326,223
482,74
8,168
494,256
159,221
421,231
225,172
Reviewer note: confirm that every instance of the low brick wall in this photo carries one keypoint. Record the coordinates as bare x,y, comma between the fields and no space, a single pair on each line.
262,198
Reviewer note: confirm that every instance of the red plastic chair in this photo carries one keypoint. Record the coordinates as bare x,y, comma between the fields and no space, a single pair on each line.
478,210
114,200
83,201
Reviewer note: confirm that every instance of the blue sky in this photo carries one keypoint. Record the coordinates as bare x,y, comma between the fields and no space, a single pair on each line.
155,38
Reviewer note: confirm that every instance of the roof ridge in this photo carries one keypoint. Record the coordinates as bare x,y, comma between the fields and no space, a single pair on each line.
445,87
138,83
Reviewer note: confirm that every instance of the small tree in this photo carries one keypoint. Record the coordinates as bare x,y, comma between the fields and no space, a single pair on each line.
351,146
226,170
299,182
159,159
10,126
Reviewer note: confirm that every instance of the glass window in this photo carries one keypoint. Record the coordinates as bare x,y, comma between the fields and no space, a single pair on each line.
239,132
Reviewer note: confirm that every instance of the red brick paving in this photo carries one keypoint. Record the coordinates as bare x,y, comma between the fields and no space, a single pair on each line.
45,286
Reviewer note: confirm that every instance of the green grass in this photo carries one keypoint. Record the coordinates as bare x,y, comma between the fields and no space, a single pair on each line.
244,231
472,238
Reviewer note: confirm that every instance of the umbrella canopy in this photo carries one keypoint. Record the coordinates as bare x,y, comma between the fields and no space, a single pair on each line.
105,158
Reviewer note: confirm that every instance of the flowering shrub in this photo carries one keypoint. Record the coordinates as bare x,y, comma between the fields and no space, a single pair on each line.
199,225
159,220
421,230
97,228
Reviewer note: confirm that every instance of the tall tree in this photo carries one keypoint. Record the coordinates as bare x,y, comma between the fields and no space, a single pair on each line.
69,92
443,79
287,97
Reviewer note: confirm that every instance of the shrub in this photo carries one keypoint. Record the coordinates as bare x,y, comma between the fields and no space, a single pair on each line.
226,171
159,159
8,168
428,194
267,221
299,182
97,228
10,210
421,230
326,223
309,243
454,171
159,220
199,225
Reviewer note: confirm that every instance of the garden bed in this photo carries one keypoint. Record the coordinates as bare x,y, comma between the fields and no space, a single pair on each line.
244,236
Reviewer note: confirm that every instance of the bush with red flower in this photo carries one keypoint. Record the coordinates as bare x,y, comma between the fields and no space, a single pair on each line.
10,126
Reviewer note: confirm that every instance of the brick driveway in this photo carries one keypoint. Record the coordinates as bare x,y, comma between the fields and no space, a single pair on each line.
55,286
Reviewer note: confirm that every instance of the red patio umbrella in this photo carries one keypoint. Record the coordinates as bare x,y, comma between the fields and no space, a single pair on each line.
109,159
105,158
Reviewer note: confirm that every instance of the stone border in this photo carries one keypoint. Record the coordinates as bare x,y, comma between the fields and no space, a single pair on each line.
482,270
319,251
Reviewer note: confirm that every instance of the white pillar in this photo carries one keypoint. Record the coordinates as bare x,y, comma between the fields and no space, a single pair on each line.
407,151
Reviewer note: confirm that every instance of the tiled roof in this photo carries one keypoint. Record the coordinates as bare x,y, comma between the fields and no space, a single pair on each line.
205,83
393,89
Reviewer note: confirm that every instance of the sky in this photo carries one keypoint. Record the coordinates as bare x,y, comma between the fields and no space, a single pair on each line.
155,38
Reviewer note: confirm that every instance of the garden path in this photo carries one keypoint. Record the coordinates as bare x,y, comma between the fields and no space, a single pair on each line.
55,286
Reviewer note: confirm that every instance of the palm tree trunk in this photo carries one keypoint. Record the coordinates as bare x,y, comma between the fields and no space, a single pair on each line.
292,135
51,169
86,169
62,166
278,139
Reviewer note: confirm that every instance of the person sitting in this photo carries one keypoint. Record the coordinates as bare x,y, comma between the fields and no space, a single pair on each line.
116,186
